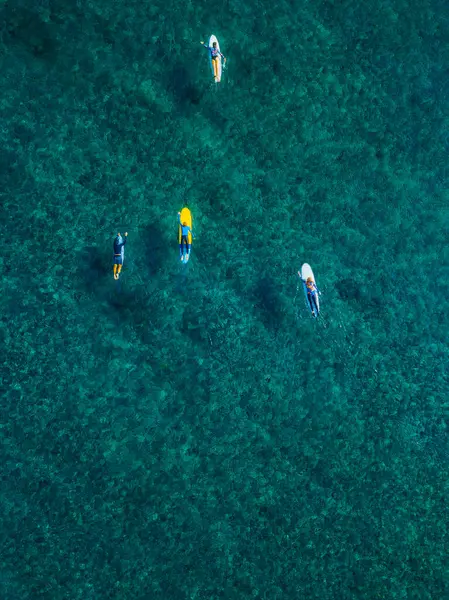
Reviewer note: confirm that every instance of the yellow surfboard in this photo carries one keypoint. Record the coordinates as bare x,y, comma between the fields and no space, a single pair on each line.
186,217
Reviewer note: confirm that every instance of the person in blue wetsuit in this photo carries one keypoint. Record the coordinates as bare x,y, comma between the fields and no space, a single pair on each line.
185,230
214,55
312,293
119,254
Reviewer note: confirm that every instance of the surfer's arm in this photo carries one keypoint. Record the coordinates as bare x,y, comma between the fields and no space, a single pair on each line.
119,246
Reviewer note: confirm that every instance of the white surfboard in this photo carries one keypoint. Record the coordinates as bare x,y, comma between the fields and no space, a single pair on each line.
213,39
306,271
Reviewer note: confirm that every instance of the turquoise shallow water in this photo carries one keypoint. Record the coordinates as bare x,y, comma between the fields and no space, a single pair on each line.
190,432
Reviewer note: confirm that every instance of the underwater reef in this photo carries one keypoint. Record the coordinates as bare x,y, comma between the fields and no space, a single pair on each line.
189,431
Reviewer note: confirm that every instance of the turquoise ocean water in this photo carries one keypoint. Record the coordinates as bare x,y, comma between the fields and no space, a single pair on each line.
190,432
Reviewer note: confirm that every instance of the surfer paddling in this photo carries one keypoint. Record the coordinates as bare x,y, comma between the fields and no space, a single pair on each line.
312,294
215,56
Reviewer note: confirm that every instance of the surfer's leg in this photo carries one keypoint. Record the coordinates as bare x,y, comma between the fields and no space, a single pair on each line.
215,65
309,298
118,266
316,305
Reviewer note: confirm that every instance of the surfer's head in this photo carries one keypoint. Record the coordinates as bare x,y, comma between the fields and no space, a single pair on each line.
214,45
309,282
185,224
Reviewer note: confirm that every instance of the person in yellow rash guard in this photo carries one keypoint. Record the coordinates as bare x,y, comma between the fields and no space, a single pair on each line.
119,254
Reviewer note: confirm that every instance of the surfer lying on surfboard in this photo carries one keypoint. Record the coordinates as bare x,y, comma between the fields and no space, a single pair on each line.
312,292
119,254
185,230
215,53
